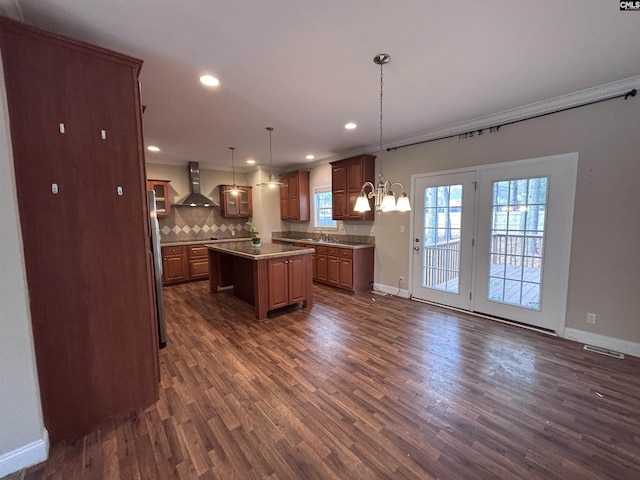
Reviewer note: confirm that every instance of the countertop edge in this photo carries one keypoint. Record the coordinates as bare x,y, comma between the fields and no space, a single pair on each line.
261,256
204,242
328,244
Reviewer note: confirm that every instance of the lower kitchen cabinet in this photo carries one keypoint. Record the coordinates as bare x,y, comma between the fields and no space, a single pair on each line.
198,262
286,281
174,265
183,263
350,269
321,265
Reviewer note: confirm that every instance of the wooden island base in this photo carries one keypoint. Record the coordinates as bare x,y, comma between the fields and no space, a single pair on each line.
267,277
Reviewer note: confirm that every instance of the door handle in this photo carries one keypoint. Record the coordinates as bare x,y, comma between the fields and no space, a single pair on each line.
416,248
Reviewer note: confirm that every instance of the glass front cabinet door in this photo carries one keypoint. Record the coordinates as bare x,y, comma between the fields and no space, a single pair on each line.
161,187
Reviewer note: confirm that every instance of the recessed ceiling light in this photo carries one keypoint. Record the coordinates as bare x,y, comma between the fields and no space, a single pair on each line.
350,126
310,157
209,81
251,162
153,148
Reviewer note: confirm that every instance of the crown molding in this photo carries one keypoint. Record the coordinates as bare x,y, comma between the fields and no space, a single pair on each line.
576,99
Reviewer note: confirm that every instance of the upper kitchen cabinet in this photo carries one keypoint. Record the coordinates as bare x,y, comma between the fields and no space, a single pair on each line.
294,196
76,134
161,188
235,206
347,178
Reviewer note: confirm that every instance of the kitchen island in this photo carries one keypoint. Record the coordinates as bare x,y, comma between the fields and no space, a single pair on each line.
267,277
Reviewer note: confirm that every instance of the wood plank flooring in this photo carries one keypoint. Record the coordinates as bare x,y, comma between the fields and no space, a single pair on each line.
365,387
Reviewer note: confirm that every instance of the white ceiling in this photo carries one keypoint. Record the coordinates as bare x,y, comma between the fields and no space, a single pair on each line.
306,67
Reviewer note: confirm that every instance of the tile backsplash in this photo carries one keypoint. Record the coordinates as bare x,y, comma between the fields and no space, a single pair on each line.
199,223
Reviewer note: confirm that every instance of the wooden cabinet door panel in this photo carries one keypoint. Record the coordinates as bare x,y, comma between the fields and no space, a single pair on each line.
346,273
333,270
322,268
294,208
285,210
161,189
198,269
278,283
236,206
174,269
297,283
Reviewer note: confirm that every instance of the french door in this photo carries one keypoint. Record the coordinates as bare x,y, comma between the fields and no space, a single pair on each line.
503,249
442,248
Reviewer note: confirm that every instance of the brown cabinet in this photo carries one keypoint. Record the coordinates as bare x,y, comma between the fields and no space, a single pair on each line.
182,263
76,133
198,262
347,178
161,188
175,267
321,265
350,269
339,267
286,281
295,203
235,206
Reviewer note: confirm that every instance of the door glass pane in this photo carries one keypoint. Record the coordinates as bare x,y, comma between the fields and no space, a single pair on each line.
517,240
442,232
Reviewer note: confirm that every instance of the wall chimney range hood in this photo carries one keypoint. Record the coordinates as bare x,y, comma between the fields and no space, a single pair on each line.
195,198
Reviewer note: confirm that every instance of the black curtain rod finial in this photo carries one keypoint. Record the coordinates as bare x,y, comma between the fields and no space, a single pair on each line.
631,93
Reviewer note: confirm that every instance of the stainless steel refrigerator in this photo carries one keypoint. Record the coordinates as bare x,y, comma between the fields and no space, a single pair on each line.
157,267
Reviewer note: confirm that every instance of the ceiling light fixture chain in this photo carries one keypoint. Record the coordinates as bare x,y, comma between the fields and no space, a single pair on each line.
272,183
385,199
234,190
381,61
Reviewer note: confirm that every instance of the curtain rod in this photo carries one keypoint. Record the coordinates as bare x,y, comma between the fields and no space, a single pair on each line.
495,128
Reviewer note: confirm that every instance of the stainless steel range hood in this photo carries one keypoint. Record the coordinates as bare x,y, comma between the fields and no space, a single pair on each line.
195,198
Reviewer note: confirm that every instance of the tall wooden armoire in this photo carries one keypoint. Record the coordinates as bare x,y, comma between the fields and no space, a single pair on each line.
76,133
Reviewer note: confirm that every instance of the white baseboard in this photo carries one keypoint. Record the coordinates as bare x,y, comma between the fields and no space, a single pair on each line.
25,456
391,290
610,343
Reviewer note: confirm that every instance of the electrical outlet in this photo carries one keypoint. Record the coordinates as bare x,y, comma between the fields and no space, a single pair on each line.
591,318
233,233
401,228
401,281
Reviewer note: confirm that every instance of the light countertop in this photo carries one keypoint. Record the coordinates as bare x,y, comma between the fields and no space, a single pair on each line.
328,243
205,242
265,251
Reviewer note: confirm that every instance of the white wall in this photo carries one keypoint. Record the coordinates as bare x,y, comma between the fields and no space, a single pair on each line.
605,264
22,434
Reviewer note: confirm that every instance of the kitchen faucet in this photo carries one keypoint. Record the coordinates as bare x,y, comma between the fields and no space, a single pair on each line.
313,234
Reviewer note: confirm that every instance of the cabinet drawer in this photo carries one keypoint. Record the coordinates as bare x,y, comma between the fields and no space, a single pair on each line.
321,250
198,269
334,251
197,251
346,253
179,250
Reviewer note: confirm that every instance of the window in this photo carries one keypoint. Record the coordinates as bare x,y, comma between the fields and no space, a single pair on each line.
322,209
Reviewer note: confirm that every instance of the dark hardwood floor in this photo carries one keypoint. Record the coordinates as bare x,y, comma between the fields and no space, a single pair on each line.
365,387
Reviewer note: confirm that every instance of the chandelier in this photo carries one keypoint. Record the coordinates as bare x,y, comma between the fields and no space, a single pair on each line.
385,199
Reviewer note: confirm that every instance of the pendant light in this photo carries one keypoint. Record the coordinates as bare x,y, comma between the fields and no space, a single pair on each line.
385,199
272,183
234,190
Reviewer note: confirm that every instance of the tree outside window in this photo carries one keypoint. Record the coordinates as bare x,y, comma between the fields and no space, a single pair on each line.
322,208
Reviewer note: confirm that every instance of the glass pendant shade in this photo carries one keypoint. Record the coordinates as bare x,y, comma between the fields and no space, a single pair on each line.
403,204
362,203
388,203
